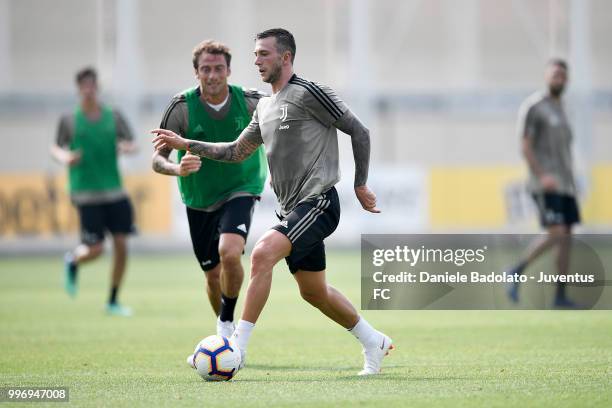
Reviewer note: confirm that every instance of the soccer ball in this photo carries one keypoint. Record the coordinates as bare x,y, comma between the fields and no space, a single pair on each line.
216,358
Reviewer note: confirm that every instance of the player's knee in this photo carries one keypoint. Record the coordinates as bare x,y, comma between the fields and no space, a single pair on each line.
559,233
261,261
120,242
557,230
96,249
230,254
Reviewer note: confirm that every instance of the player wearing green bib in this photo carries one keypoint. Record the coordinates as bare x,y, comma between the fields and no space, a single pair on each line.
87,142
219,197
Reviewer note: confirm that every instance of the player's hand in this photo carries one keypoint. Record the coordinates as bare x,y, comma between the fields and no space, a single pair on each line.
548,183
73,157
167,139
367,198
126,147
190,163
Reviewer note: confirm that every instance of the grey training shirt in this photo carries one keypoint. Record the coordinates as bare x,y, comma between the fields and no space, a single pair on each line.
543,121
296,126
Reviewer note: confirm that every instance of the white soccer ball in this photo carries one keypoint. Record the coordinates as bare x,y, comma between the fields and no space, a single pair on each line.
216,358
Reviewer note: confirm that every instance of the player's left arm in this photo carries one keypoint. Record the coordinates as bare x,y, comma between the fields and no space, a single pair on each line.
125,137
324,104
360,141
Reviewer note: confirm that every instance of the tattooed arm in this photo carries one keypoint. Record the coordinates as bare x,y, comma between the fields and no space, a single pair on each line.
162,163
236,151
360,140
176,119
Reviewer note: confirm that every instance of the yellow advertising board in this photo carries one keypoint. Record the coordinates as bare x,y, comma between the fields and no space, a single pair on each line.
35,204
472,197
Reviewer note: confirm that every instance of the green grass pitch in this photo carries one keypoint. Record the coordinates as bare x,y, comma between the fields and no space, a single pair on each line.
297,357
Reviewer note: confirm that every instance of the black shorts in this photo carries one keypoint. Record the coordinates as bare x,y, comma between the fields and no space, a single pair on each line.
557,209
206,228
306,227
116,217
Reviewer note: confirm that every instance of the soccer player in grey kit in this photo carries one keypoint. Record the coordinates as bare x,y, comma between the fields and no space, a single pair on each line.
297,125
546,144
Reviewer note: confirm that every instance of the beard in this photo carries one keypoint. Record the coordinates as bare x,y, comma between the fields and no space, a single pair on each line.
556,91
212,89
275,73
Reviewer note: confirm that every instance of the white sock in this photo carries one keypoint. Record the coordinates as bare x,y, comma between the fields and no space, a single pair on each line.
242,334
365,333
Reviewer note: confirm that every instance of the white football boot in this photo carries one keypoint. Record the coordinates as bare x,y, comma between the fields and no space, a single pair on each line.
373,355
191,361
242,359
225,329
242,352
191,357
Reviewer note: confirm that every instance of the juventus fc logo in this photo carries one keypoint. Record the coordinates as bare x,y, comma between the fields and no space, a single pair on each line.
283,115
239,123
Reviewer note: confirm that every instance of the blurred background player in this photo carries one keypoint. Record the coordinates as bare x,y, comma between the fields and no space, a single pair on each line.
298,127
546,145
88,142
220,197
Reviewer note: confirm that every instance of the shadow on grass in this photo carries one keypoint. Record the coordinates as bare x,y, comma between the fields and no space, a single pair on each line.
327,375
315,368
386,377
265,367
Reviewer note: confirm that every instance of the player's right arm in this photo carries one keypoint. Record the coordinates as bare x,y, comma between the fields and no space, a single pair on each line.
236,151
529,130
60,150
175,119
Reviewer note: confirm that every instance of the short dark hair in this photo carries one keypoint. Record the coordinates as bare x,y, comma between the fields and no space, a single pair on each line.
84,73
559,62
284,40
211,47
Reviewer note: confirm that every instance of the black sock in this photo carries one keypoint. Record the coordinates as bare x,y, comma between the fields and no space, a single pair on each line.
72,265
520,268
560,290
113,295
227,308
72,270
